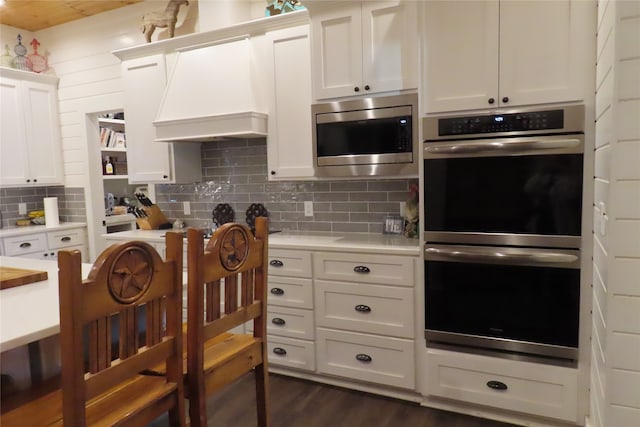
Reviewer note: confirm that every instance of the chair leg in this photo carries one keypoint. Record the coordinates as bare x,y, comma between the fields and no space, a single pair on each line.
197,410
262,395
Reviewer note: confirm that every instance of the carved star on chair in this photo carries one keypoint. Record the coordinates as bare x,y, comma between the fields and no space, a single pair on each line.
130,275
234,248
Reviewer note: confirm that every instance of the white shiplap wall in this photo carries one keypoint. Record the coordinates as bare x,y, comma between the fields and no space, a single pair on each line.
615,379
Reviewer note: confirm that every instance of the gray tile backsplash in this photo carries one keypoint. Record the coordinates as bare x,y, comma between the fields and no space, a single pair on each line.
235,172
71,203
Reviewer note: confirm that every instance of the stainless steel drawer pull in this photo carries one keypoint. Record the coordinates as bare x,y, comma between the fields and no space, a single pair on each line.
364,358
278,321
497,385
276,263
25,245
280,351
277,291
65,239
361,269
362,308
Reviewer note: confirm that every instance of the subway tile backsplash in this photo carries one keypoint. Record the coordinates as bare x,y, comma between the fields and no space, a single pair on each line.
235,172
71,203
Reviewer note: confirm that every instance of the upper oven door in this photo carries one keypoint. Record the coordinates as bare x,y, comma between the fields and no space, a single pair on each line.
523,191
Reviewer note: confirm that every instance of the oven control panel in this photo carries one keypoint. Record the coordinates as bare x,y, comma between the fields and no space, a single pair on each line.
514,122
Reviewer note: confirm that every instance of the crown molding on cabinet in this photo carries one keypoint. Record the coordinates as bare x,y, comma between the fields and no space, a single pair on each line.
28,75
250,28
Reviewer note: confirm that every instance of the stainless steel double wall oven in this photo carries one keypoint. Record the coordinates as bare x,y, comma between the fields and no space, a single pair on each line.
503,195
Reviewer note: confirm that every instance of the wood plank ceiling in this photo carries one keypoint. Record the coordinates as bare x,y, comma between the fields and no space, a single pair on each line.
37,15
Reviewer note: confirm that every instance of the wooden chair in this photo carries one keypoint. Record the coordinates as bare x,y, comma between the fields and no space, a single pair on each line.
96,388
233,264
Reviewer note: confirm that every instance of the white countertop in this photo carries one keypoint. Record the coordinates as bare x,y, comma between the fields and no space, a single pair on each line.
31,229
357,242
30,312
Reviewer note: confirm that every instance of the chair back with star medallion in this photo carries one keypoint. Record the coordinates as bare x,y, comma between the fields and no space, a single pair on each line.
227,292
126,278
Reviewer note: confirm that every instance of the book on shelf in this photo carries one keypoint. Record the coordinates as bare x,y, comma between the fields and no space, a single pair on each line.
110,138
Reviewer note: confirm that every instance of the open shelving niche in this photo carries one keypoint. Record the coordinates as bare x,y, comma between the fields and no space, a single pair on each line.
118,183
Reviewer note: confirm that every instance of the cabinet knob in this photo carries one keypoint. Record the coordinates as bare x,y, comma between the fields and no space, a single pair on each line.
366,87
65,239
356,89
362,308
277,291
505,99
361,269
165,176
280,351
497,385
491,100
46,254
28,180
276,263
278,321
25,245
365,358
273,172
35,180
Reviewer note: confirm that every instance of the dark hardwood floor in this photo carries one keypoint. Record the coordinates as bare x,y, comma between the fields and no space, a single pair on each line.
300,403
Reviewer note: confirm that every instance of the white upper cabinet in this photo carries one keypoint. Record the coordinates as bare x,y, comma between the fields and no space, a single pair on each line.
150,161
487,54
289,145
30,146
364,48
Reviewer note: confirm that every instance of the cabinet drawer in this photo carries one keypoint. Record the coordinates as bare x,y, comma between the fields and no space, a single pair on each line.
376,309
283,262
292,353
532,388
371,358
290,322
290,292
381,269
22,245
65,238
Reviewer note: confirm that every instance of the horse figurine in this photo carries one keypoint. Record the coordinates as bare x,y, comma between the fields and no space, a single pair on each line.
166,19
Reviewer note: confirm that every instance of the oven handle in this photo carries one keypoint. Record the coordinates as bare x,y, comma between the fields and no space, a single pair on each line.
503,146
506,256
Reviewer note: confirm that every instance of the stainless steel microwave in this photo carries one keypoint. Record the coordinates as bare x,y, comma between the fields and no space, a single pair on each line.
366,137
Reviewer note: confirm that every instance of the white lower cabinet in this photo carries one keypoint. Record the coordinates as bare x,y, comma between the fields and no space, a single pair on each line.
290,322
538,389
46,244
365,321
365,357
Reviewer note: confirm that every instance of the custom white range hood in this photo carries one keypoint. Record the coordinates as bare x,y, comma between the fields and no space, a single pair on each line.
212,95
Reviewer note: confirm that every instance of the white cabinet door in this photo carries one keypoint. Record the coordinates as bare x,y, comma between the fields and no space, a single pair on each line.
144,82
389,46
289,144
485,54
460,52
365,48
542,51
14,162
31,148
337,52
43,133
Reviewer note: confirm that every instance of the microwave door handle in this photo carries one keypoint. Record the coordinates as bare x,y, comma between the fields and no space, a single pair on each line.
503,145
496,256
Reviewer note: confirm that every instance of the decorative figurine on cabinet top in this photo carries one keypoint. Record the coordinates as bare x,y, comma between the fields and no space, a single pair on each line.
6,60
164,19
20,62
38,62
278,7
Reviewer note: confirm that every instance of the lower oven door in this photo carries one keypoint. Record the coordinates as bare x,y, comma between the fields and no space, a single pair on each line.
512,300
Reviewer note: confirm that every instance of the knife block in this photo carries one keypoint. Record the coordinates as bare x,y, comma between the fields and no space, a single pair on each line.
155,218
